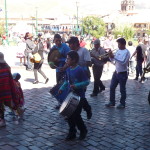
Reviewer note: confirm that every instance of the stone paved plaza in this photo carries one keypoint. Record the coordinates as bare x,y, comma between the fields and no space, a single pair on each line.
108,129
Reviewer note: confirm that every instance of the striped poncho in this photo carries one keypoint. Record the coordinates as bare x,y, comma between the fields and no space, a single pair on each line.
7,89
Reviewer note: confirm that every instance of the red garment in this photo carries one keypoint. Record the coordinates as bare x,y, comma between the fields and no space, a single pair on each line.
82,44
19,93
7,88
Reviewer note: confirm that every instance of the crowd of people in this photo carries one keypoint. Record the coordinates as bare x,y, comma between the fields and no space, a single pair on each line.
73,67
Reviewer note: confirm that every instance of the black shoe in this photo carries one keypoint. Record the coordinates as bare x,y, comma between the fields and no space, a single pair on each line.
35,82
110,104
46,80
83,135
93,94
89,114
57,107
101,90
70,136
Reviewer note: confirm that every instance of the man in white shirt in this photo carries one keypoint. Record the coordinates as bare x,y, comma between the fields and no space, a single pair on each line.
84,62
131,49
120,75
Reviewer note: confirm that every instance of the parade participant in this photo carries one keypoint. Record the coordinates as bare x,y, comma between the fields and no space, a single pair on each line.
84,62
77,80
63,49
97,67
120,75
19,93
7,90
28,50
131,49
140,57
39,48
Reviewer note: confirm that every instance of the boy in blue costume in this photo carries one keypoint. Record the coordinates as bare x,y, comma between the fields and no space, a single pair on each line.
63,49
78,80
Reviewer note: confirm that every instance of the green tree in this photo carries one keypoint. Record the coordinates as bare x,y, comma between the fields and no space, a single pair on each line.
94,26
126,31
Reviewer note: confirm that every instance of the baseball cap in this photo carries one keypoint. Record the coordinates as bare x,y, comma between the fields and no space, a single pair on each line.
97,41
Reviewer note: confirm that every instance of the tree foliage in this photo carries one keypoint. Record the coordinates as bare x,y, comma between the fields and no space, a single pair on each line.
124,31
94,26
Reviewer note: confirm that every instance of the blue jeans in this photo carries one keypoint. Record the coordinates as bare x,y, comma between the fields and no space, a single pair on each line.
139,68
118,78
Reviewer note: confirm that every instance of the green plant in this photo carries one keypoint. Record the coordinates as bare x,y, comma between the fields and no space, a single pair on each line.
94,26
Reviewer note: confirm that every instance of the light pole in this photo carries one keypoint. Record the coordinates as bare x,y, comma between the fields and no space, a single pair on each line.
77,15
6,23
36,22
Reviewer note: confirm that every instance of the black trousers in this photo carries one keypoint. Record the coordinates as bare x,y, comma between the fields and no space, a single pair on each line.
97,73
37,68
76,120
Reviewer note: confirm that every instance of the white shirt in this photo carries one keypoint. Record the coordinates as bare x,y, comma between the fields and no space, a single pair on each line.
131,50
121,59
84,56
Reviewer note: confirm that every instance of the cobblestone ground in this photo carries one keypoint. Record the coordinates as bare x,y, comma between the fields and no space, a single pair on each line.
109,128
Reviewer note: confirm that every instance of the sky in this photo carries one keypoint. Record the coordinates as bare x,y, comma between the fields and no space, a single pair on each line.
67,7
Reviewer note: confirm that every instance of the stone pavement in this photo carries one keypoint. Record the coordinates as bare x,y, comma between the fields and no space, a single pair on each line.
109,128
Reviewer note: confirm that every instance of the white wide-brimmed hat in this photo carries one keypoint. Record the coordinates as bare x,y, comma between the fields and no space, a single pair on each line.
2,58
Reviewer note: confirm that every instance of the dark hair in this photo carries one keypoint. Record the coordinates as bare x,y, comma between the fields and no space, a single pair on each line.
74,56
36,39
26,35
121,41
130,43
57,36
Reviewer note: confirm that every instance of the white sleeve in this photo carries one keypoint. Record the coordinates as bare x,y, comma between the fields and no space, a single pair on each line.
87,56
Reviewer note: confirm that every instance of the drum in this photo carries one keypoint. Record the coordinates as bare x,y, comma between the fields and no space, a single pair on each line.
53,58
69,105
60,97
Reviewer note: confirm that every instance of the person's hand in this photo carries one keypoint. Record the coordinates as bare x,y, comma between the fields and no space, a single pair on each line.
60,91
110,54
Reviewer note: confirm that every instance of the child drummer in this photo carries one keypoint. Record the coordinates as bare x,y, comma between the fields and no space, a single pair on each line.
78,80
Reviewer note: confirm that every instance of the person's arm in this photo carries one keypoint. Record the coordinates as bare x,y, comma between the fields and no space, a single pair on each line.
63,87
124,59
81,84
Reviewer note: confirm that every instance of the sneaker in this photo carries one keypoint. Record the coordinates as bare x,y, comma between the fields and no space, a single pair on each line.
93,94
120,106
83,135
70,136
46,80
110,104
2,123
35,82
